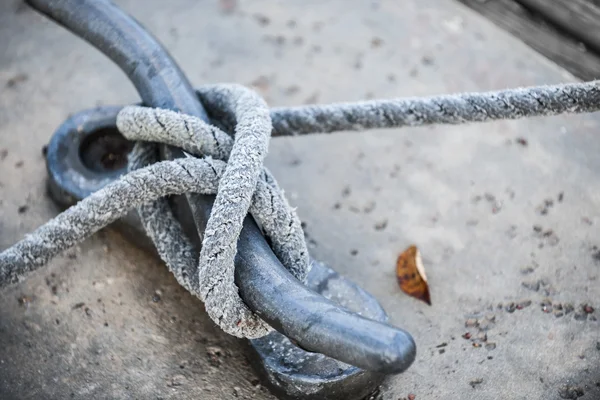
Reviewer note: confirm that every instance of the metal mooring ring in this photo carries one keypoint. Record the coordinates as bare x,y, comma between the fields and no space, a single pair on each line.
304,315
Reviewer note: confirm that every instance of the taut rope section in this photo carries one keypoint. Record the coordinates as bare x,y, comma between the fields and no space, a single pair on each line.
233,170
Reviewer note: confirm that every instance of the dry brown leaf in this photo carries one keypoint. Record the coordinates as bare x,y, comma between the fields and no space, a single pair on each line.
411,274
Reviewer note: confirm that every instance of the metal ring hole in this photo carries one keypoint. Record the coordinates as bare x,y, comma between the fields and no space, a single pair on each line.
105,150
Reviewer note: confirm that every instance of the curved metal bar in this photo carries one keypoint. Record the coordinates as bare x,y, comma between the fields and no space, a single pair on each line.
316,323
157,78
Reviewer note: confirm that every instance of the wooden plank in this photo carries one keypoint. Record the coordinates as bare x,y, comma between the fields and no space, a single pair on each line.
579,18
539,35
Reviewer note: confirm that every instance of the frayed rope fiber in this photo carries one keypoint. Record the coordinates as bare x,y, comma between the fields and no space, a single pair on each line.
232,168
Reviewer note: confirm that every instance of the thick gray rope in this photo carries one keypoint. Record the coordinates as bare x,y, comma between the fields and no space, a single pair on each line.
447,109
233,170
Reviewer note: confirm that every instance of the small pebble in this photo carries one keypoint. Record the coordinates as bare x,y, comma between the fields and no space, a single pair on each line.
475,382
521,141
568,308
490,346
580,316
177,380
470,323
527,270
523,304
25,300
381,225
546,306
570,392
511,308
376,42
587,309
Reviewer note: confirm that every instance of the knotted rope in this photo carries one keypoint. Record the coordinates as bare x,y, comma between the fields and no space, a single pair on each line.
233,170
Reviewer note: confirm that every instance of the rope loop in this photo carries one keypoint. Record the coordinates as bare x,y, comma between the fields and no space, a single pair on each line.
229,163
244,185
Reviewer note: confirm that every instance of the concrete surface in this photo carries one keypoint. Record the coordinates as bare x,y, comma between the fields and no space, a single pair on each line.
87,325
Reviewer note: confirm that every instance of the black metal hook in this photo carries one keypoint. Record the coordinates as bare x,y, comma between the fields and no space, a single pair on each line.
315,323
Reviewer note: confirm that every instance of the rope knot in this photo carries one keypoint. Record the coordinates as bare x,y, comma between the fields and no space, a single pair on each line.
232,168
